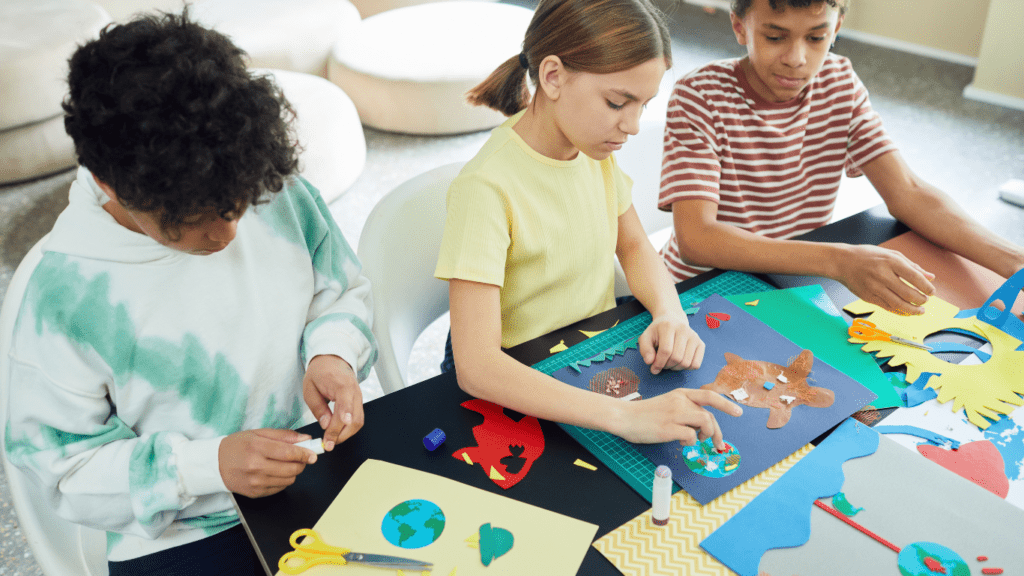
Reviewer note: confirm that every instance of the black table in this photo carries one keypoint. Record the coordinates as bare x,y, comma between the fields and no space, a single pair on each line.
397,422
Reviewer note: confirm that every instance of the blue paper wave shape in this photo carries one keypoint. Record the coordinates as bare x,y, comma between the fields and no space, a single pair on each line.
780,517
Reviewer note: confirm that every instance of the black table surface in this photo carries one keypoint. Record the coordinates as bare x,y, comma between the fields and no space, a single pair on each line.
396,423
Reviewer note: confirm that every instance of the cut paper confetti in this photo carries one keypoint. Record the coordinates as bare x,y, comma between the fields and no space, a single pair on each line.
985,391
808,317
554,542
761,447
908,504
583,464
640,548
620,383
505,449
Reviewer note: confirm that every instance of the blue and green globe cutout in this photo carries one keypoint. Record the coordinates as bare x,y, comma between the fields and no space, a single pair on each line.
914,560
413,524
703,459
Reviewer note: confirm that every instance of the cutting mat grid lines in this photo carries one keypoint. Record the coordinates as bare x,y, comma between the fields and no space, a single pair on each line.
614,452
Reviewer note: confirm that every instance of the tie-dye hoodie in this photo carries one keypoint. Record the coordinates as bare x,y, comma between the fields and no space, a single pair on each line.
131,361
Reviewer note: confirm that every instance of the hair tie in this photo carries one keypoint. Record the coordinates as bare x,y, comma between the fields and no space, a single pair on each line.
523,61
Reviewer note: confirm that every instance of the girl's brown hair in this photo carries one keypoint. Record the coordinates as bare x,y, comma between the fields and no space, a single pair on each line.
596,36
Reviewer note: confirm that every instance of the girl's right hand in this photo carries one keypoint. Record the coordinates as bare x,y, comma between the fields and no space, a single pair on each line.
262,462
677,415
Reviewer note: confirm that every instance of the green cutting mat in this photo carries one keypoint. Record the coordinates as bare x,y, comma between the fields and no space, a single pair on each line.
617,454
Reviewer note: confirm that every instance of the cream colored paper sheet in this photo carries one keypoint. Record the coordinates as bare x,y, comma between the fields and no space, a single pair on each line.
545,542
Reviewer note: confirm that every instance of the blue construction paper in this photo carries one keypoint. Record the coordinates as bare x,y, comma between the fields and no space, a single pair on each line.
932,437
917,393
785,506
759,447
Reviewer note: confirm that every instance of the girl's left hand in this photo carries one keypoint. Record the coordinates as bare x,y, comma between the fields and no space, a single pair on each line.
670,343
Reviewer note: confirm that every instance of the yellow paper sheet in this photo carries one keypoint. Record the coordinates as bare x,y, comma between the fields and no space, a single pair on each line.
545,542
639,548
982,390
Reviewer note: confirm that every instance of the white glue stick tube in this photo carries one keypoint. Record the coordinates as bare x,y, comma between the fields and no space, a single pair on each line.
662,495
314,444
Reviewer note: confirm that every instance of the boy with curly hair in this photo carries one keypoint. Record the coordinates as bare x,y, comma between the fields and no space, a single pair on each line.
192,300
755,148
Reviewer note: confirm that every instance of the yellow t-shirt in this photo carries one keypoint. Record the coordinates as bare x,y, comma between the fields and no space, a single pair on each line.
543,230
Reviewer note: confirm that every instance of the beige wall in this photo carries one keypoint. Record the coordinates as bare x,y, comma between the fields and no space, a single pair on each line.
1001,61
953,26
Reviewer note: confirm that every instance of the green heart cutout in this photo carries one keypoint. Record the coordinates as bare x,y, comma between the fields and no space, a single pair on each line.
494,542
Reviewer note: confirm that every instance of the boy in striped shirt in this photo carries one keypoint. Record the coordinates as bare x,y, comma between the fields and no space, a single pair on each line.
755,148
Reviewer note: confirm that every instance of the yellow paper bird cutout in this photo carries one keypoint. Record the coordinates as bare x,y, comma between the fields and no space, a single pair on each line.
982,390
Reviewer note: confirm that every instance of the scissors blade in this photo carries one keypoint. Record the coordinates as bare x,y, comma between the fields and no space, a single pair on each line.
906,342
387,562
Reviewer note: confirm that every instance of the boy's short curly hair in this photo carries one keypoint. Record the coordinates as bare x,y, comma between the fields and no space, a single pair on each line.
740,7
165,112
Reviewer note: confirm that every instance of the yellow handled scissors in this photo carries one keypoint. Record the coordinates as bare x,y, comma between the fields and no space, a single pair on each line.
310,550
865,330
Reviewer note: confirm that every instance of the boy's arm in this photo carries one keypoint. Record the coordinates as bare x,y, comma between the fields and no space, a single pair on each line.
669,342
872,273
487,372
938,218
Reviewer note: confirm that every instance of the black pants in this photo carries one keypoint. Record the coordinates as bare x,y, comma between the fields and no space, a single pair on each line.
228,553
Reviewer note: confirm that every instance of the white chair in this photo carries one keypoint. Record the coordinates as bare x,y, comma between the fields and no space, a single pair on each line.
61,548
398,249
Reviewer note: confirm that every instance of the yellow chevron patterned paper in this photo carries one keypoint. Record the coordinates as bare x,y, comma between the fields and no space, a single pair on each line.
639,548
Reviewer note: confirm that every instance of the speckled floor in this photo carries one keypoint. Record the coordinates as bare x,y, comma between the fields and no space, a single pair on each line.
965,147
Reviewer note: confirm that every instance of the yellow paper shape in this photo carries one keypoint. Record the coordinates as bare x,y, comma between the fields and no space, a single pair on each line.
494,475
473,541
982,390
465,456
557,543
592,334
752,303
558,347
639,548
583,464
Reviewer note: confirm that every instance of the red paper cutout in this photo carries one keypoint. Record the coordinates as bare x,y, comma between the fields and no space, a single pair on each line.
715,319
991,570
934,565
504,445
982,558
980,462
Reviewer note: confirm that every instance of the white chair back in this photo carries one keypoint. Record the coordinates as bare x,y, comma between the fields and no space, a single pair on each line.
61,548
398,249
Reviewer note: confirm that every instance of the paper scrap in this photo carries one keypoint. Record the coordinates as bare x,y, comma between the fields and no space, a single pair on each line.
583,464
752,303
558,347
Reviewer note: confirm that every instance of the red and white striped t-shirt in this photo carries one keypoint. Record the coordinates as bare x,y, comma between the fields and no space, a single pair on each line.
773,168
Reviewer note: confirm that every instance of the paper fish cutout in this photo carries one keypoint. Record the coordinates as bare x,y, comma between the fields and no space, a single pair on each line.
617,383
985,391
493,542
506,449
751,375
980,462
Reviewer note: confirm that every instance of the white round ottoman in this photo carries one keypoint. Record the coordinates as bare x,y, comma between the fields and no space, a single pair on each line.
368,8
36,39
408,70
35,150
283,34
328,129
125,10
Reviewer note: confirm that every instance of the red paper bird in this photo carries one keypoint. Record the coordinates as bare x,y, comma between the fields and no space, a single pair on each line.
505,448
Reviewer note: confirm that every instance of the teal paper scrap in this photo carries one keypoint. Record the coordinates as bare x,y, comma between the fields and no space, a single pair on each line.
617,350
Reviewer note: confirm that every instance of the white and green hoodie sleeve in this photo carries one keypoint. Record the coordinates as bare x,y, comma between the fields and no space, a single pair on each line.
341,313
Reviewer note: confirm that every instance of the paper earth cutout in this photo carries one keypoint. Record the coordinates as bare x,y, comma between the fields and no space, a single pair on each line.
929,559
413,524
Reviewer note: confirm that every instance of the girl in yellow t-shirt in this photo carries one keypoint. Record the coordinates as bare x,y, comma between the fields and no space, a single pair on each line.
537,216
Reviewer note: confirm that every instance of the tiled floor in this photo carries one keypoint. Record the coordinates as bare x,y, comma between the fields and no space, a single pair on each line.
966,148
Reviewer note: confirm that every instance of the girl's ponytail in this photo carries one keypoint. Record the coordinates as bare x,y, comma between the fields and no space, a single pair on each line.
505,90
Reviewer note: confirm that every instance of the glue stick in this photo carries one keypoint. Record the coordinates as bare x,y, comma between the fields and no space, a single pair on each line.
662,495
